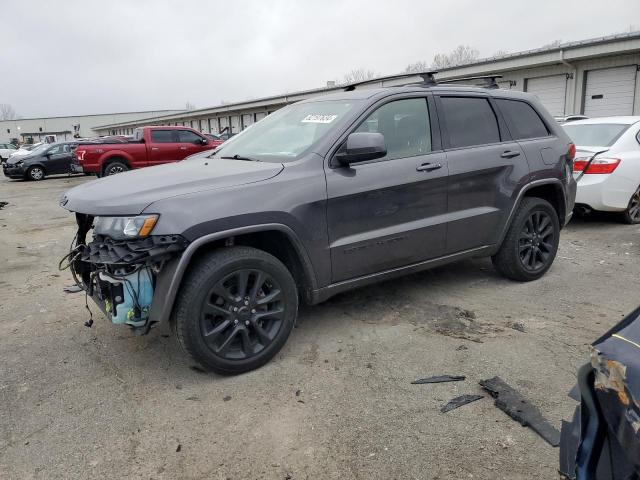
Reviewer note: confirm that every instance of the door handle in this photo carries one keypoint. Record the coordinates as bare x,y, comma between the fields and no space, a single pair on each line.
428,167
510,154
155,148
183,148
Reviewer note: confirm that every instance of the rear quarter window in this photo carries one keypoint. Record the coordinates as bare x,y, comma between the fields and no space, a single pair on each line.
523,121
470,121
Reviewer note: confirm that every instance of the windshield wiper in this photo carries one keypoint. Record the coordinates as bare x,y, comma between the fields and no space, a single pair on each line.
240,157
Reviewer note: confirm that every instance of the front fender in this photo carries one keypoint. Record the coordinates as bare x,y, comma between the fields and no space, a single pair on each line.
170,277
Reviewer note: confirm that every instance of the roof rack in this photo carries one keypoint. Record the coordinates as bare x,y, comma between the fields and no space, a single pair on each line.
490,80
427,77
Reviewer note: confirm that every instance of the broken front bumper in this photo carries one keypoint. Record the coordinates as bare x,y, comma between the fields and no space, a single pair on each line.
125,278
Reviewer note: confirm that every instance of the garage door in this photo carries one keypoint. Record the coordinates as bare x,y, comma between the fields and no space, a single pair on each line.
260,115
551,91
610,91
247,119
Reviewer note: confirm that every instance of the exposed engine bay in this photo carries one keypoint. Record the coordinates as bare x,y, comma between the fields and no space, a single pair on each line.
120,275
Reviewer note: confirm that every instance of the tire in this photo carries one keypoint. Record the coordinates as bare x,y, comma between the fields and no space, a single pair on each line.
35,173
632,214
228,331
115,167
531,243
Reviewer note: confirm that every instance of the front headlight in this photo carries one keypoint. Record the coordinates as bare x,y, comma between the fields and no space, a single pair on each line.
19,164
122,228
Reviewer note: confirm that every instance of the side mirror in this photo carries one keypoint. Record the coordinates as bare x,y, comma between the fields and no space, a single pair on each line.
361,146
204,141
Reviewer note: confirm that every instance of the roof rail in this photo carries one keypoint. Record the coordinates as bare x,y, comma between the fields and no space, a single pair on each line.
490,80
427,77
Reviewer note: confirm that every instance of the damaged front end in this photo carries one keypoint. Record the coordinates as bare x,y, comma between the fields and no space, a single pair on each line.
120,267
603,440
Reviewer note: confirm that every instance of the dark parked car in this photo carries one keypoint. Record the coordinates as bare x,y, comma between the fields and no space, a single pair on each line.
46,159
320,197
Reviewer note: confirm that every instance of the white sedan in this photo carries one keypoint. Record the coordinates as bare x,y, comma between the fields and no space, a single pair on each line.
607,165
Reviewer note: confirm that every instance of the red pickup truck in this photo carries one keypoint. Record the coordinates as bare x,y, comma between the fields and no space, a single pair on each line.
150,146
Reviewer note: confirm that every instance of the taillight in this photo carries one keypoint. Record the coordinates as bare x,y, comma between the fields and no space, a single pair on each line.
572,151
597,166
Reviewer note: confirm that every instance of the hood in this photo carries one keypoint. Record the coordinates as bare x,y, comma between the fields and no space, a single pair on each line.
131,192
15,158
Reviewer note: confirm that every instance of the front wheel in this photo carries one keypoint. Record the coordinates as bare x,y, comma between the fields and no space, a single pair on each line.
632,214
35,173
530,246
235,309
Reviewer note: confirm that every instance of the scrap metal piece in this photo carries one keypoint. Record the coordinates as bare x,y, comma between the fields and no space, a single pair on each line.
459,402
439,379
517,407
72,289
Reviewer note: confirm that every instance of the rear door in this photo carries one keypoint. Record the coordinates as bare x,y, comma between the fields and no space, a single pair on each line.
58,159
389,212
163,147
485,168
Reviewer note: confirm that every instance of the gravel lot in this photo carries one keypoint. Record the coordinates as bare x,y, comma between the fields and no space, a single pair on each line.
335,403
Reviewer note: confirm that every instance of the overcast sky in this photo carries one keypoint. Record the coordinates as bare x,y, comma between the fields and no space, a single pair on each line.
80,57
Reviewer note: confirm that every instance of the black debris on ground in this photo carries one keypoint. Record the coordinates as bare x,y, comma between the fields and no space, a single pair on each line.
227,398
459,402
3,204
298,392
462,347
517,407
439,379
179,448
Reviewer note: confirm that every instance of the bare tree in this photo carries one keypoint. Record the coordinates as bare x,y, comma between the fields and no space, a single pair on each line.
7,112
417,67
358,75
189,106
461,55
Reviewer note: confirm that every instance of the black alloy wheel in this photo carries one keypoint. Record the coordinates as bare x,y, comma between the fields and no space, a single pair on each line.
235,309
242,314
531,242
536,242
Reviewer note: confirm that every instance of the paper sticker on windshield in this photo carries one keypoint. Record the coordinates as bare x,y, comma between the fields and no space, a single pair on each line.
319,118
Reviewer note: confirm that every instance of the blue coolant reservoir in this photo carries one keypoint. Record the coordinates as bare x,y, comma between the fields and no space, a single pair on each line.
137,289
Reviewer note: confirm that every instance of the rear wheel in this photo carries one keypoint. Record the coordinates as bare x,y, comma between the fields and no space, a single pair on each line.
35,173
632,214
115,167
530,246
236,309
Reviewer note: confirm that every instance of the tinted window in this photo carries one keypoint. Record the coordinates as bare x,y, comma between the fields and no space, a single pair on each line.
185,136
524,122
162,136
470,121
405,126
595,134
55,150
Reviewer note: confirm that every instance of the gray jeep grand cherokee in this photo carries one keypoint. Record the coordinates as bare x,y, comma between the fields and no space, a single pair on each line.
322,196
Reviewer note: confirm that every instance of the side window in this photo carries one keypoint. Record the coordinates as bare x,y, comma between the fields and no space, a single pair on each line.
470,121
162,136
524,122
55,150
66,148
405,126
187,136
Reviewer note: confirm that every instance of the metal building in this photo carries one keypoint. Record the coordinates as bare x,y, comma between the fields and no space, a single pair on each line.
595,77
66,128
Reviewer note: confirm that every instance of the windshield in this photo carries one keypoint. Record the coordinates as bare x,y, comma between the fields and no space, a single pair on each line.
595,134
287,133
38,148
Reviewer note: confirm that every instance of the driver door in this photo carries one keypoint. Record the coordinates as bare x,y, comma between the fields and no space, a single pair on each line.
390,212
